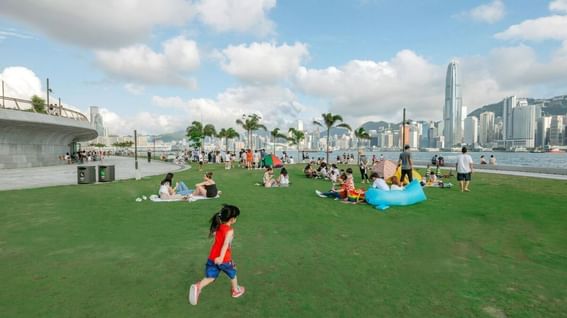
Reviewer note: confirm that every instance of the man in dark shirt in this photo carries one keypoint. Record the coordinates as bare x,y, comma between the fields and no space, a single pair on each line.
406,163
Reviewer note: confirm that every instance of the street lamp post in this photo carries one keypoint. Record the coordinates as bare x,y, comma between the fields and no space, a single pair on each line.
137,172
404,130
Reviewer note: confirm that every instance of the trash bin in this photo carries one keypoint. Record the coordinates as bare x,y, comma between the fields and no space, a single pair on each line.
86,174
105,173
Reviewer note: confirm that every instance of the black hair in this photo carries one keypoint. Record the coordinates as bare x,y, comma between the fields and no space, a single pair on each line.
283,172
226,213
406,147
464,149
168,179
349,170
374,175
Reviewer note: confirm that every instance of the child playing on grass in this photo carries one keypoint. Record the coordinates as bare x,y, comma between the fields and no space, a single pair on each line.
220,257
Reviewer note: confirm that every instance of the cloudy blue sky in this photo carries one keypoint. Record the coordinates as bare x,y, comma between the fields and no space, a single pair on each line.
156,66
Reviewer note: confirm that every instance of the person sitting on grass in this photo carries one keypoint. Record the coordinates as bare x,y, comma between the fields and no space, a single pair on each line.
268,180
166,192
207,188
350,177
378,182
309,172
283,179
220,257
342,193
322,171
396,184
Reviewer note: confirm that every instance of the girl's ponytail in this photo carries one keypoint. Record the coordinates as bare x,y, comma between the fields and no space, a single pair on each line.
215,223
226,213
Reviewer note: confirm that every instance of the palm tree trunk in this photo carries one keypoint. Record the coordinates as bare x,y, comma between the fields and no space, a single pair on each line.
328,132
274,145
357,151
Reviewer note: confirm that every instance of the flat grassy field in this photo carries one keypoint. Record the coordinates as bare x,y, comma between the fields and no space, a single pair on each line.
93,251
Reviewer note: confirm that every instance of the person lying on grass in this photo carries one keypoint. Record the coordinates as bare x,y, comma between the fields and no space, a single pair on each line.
340,193
207,188
220,257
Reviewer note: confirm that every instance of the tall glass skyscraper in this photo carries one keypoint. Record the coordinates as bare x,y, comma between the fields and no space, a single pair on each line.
452,113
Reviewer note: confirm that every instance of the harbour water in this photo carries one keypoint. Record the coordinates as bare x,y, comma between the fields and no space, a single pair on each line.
521,159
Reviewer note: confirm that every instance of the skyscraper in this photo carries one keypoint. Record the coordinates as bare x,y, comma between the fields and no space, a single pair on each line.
524,124
452,112
96,121
471,131
486,128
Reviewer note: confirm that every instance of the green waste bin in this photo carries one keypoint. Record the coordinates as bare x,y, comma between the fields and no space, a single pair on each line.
86,174
106,173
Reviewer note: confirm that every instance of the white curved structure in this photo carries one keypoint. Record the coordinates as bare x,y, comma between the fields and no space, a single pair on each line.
30,139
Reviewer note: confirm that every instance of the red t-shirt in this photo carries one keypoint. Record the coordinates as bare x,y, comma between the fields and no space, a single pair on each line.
220,236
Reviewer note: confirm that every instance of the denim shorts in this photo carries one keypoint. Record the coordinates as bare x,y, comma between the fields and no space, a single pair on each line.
213,270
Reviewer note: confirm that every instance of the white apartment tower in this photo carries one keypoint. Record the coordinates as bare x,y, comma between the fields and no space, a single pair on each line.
486,128
471,131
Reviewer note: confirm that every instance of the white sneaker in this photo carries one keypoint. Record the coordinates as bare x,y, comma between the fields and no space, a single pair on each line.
320,194
194,292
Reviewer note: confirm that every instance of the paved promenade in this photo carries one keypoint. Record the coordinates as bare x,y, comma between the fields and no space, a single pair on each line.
546,173
25,178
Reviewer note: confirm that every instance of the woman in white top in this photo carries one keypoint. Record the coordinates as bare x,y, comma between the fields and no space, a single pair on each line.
396,184
283,179
166,192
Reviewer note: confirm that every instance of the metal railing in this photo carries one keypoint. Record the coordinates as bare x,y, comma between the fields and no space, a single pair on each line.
53,110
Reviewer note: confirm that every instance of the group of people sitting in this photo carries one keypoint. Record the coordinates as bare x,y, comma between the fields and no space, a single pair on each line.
344,184
207,188
268,180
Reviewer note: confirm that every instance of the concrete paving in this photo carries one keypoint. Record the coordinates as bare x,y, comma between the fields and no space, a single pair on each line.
545,173
26,178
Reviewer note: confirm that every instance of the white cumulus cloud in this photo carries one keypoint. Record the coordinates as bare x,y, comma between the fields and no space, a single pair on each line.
263,62
140,64
98,24
21,82
146,123
237,15
545,28
278,106
378,89
558,6
488,13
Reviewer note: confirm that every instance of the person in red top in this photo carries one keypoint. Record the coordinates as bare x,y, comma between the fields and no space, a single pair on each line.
220,257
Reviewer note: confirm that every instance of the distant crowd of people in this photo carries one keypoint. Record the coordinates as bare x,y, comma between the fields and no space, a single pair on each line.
84,156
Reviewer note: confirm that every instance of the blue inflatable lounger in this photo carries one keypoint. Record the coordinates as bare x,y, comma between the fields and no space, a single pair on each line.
412,194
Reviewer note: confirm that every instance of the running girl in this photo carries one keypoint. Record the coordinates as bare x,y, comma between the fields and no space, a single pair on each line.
220,257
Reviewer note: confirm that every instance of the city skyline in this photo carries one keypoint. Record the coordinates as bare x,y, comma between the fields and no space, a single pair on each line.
156,69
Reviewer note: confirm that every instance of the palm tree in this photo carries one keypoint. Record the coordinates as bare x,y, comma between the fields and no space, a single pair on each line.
250,123
275,135
330,121
296,137
360,133
229,133
197,133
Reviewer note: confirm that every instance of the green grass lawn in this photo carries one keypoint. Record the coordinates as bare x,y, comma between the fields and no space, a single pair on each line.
92,251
